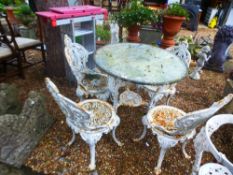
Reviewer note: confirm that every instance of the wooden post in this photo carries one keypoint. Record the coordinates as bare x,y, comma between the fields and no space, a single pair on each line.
53,38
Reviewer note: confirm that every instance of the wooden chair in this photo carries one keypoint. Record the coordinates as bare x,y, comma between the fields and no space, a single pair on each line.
9,54
21,44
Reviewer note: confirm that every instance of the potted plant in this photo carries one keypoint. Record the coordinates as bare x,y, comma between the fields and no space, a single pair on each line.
8,6
132,17
103,34
26,17
173,18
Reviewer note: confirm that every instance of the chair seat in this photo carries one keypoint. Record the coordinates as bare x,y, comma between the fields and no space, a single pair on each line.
5,52
101,113
26,42
163,118
213,169
95,82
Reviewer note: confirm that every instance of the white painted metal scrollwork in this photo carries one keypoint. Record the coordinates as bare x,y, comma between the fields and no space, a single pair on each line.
156,93
90,118
89,82
182,52
203,142
180,128
203,57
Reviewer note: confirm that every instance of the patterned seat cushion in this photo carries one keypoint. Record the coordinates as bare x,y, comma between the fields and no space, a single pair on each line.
100,112
4,52
95,82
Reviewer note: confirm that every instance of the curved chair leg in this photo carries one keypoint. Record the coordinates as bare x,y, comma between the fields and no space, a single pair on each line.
197,163
142,135
72,139
114,137
164,143
91,139
157,169
184,151
200,145
92,164
144,122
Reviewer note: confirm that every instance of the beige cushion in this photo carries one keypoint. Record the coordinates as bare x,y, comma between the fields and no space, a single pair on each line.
26,42
4,52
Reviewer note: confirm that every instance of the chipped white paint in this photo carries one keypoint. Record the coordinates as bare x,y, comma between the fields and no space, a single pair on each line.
203,142
89,82
89,118
183,126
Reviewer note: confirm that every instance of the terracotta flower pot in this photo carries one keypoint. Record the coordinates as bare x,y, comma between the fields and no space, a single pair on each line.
10,15
171,26
133,34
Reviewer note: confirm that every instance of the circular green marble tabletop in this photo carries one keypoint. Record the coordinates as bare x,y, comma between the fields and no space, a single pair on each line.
141,63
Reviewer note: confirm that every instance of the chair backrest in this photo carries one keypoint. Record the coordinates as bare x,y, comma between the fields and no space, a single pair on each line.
76,56
181,51
7,30
213,125
75,115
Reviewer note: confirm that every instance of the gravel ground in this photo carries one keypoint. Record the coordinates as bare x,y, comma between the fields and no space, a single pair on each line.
51,156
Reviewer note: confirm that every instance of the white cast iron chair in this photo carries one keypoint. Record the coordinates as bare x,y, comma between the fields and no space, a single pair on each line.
203,142
172,125
156,93
89,82
89,118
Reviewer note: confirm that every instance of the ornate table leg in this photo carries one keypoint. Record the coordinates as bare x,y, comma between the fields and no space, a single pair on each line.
115,125
114,84
165,143
144,122
115,138
91,139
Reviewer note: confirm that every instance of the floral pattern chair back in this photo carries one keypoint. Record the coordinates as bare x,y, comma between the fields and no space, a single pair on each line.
76,56
89,82
182,52
75,116
90,118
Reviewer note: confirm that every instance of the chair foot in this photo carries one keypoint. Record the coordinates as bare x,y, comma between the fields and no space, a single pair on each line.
157,171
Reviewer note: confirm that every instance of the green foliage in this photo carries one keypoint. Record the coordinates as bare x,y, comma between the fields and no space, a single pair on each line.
134,14
176,10
2,8
25,14
12,2
7,2
103,32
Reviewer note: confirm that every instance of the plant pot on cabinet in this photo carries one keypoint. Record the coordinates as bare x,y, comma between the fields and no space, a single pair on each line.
10,15
133,34
171,26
